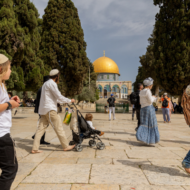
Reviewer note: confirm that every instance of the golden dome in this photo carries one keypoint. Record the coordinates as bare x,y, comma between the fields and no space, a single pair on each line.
105,65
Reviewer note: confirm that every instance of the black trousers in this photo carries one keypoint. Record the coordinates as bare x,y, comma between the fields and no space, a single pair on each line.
8,162
138,116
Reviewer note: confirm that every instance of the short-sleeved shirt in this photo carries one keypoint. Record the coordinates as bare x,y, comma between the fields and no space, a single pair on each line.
5,116
111,102
168,102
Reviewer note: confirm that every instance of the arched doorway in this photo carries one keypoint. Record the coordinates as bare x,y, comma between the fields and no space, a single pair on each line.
124,91
106,90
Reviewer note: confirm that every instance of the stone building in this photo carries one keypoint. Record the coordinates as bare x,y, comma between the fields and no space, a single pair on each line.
108,79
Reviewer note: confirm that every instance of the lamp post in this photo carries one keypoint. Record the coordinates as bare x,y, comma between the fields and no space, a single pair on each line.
89,78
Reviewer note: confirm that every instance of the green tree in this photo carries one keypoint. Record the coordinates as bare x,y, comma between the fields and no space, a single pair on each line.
63,44
172,45
27,61
89,92
147,68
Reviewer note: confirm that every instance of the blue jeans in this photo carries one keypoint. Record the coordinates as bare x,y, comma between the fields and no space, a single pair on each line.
165,112
186,161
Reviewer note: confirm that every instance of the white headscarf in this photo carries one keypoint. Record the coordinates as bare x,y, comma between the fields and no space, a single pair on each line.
148,81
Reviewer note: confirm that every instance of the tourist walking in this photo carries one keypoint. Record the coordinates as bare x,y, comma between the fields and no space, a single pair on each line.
148,130
37,104
8,159
111,102
165,108
50,96
135,100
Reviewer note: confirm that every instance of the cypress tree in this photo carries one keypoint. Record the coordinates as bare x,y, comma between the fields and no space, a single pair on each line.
147,66
63,44
172,45
28,60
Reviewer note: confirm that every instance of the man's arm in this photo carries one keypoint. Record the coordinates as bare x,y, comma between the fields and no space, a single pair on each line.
55,91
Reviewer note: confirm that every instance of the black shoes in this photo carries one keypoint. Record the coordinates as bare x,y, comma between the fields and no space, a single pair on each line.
42,141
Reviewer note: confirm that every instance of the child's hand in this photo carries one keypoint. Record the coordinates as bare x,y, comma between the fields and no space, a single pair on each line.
16,99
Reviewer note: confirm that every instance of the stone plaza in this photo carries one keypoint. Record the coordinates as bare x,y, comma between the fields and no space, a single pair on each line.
125,163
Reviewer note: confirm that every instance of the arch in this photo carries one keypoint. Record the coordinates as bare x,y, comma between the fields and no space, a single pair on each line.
106,90
124,89
116,88
107,87
100,88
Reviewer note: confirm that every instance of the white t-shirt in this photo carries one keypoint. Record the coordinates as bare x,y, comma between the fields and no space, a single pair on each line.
5,116
90,123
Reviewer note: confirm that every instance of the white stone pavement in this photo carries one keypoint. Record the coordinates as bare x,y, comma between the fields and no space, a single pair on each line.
125,164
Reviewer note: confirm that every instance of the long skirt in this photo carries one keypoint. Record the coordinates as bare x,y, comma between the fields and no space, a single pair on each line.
148,129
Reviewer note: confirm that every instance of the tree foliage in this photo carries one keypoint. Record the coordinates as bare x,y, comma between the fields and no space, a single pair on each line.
172,45
63,44
19,39
89,94
147,65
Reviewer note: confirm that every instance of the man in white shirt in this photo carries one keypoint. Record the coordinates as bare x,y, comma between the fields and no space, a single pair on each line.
50,96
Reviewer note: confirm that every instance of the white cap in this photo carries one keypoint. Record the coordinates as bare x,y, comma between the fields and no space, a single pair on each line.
165,94
3,59
54,72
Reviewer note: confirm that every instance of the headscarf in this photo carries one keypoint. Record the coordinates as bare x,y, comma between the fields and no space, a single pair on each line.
148,81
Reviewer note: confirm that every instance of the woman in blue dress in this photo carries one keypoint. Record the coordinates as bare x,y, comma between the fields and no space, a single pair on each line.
148,130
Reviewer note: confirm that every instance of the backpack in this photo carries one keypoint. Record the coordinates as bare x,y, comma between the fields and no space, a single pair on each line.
133,98
165,103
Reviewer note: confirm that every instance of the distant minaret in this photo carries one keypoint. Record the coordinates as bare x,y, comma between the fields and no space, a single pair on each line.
104,53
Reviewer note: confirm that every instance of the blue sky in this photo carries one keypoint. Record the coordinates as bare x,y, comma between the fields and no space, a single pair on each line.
120,27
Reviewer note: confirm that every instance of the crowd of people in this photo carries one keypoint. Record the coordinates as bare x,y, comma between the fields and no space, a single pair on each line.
46,106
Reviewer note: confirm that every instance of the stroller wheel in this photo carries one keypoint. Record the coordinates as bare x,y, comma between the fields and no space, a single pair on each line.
79,148
100,146
92,143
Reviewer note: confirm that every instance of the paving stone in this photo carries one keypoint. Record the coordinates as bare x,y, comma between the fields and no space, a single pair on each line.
44,187
111,154
52,160
181,153
117,174
94,187
150,187
160,175
94,161
35,157
59,173
165,162
86,153
161,154
130,162
186,187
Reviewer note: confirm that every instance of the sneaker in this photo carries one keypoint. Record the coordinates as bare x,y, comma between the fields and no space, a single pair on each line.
113,118
44,142
102,133
109,119
132,118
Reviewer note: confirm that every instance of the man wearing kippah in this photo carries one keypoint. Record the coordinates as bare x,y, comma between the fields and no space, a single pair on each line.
50,96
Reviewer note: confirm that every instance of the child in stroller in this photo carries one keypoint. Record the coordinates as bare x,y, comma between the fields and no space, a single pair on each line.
89,118
81,130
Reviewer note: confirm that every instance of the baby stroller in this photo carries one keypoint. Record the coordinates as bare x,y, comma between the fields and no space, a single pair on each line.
81,130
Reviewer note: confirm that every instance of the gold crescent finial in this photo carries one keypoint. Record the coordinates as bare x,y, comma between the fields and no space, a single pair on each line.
104,53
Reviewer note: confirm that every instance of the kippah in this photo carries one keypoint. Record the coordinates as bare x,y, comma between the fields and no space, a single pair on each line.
3,59
54,72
